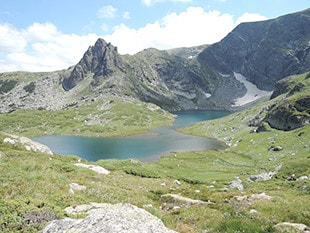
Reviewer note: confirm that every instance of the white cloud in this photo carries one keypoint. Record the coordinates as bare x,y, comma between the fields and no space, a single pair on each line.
108,12
152,2
247,17
42,47
192,27
41,32
126,15
10,39
104,27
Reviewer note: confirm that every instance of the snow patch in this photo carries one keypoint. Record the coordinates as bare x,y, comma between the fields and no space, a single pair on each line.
252,94
208,95
225,75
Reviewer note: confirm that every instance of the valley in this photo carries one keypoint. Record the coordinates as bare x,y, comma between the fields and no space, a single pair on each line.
260,182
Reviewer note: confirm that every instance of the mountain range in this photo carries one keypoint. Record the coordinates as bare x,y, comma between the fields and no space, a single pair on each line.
246,64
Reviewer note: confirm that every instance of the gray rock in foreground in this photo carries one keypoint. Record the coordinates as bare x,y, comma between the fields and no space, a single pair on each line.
103,217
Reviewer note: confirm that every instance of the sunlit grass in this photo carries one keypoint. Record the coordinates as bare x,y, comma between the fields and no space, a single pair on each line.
36,186
99,119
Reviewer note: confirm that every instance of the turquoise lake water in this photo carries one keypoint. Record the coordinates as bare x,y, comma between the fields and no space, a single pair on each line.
145,147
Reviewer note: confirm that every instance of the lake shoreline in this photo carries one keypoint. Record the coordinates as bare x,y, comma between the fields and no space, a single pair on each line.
147,146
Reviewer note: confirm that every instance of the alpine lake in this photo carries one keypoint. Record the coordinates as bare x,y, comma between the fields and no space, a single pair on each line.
145,147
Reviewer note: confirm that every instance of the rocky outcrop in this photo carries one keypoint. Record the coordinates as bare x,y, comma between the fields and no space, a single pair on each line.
265,175
289,86
286,116
27,143
108,218
291,110
264,52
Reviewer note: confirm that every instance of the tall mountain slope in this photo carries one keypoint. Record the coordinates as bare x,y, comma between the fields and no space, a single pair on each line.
225,75
264,52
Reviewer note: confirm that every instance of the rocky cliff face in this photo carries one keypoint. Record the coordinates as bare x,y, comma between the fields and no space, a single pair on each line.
291,109
264,52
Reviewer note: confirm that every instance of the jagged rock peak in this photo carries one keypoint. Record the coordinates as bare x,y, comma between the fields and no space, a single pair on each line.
101,43
101,59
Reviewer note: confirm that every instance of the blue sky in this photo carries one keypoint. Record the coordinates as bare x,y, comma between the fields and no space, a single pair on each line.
45,35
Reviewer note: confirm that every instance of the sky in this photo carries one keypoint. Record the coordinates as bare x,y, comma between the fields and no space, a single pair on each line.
49,35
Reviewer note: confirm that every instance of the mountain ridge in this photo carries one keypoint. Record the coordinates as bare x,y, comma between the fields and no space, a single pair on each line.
201,77
175,80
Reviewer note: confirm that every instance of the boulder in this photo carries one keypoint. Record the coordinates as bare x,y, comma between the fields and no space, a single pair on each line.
27,143
177,182
302,178
237,183
292,227
275,148
262,177
265,175
104,217
95,168
76,187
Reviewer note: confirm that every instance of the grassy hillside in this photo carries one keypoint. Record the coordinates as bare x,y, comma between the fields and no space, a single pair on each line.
35,187
108,117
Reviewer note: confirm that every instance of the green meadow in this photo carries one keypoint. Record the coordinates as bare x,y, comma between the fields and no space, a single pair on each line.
35,186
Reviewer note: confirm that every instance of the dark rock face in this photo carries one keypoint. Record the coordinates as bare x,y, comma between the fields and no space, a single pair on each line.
169,81
291,109
102,59
264,52
285,117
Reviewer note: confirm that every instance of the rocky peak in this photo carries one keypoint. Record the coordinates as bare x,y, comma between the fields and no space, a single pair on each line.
101,59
